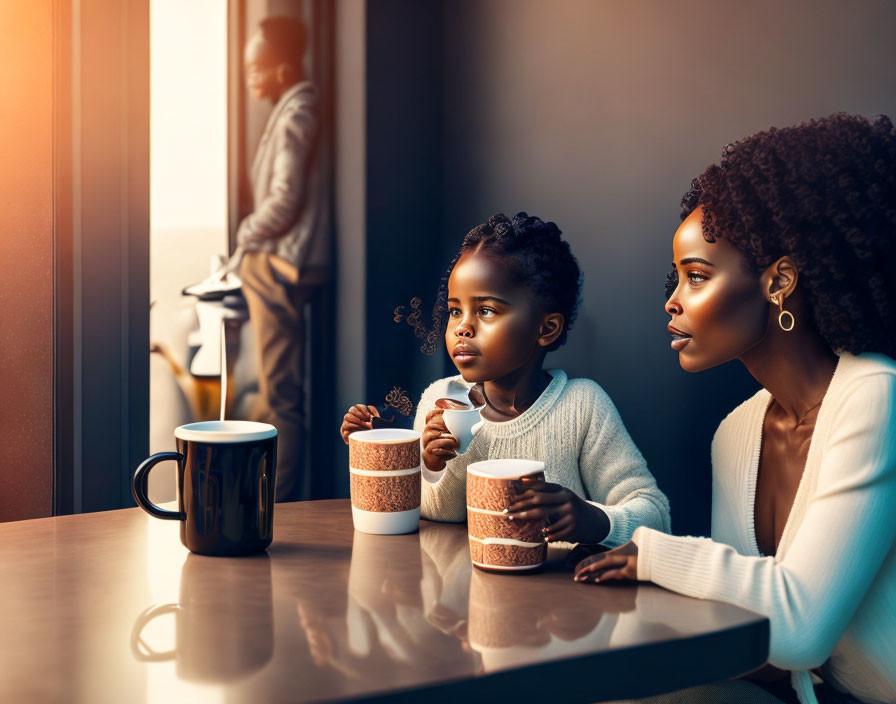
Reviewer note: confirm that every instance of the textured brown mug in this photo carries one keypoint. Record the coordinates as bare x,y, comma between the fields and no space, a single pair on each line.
496,541
385,480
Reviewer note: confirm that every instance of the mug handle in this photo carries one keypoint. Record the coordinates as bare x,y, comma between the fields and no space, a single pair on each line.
139,485
139,647
476,428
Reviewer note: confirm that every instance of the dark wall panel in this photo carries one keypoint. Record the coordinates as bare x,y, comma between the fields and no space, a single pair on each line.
404,185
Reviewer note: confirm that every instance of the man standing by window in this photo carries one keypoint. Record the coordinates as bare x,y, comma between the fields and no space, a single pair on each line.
285,245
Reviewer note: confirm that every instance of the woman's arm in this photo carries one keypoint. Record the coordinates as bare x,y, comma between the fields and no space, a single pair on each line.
616,477
812,592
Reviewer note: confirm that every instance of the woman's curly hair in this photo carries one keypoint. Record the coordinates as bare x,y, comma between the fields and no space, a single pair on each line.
538,258
823,193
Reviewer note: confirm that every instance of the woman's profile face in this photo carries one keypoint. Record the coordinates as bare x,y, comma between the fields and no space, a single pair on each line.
719,310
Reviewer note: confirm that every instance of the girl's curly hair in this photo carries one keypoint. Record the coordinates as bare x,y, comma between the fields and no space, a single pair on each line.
538,258
823,193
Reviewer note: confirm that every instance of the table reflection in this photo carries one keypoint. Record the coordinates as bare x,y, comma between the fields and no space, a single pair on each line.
515,621
387,622
330,614
445,553
224,620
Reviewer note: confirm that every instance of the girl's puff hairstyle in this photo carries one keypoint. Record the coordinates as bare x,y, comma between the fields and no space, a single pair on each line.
823,193
538,258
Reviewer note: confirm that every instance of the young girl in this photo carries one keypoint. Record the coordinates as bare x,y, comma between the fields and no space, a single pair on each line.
510,297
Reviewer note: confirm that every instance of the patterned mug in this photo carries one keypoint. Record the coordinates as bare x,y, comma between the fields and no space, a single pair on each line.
385,480
496,541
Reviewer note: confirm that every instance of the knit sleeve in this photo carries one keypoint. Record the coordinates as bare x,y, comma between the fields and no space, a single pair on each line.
812,592
443,495
614,472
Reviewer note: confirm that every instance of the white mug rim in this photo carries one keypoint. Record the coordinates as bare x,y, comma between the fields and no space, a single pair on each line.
225,431
381,435
463,410
480,468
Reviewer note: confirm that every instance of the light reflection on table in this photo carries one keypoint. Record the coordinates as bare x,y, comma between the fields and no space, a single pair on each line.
110,607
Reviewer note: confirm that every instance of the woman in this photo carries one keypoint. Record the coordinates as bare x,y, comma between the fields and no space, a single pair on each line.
786,260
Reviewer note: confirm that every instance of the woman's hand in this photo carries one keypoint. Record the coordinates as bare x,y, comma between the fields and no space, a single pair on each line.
567,515
618,564
439,445
358,418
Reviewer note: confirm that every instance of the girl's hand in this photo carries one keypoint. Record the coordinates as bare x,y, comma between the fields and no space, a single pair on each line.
568,516
439,445
618,564
357,418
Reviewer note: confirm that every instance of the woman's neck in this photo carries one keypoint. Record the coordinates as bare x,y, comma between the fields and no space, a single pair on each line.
795,367
511,395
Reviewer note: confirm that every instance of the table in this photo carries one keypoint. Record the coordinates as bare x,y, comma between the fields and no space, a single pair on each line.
110,607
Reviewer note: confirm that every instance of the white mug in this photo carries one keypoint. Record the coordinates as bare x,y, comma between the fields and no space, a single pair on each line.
463,424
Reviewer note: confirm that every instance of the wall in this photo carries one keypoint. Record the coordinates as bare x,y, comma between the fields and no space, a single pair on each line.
405,114
597,115
349,196
26,248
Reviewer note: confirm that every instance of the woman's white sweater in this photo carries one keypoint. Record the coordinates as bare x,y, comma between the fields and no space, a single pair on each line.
573,428
830,591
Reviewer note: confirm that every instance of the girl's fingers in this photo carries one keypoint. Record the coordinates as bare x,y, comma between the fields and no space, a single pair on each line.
552,503
373,411
539,512
443,444
526,500
443,453
523,484
350,425
434,413
438,424
435,426
434,431
360,412
560,528
432,436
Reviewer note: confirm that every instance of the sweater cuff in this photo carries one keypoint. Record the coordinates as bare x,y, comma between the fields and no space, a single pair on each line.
433,478
643,538
676,562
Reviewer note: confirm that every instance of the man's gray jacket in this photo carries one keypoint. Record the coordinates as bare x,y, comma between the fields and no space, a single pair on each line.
291,215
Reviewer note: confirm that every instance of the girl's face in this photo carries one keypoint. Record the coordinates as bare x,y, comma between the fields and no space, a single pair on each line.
718,309
493,323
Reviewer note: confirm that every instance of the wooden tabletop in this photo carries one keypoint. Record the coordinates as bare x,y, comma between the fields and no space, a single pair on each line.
110,607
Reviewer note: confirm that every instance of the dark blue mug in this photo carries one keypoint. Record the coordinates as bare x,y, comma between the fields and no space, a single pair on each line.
225,486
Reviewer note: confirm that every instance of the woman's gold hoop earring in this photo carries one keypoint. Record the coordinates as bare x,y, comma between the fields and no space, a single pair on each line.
784,314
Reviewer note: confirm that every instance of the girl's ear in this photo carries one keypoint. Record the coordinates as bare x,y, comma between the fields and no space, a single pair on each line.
550,329
779,279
